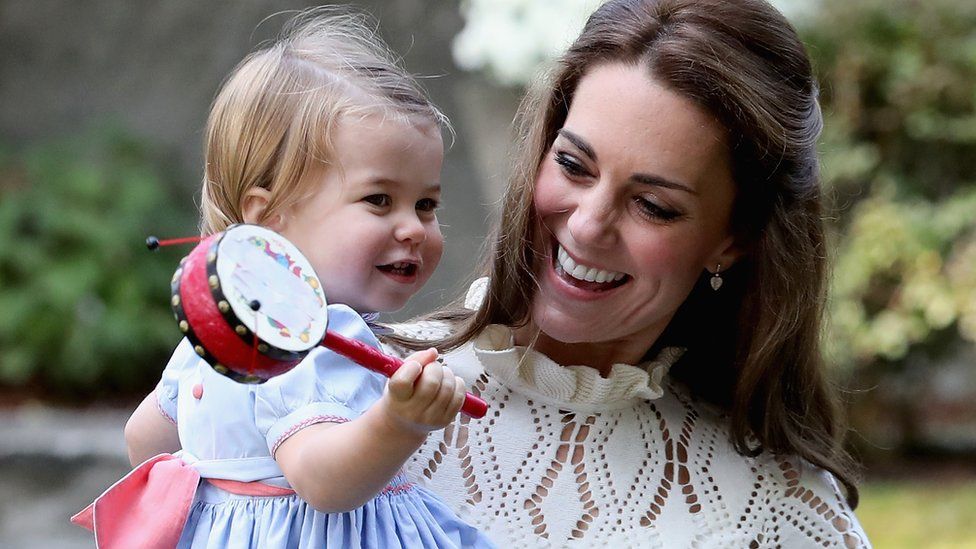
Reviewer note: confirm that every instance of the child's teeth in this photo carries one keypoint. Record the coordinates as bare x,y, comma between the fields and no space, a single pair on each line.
589,274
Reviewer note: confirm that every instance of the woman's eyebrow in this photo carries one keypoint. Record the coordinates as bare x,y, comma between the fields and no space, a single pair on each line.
579,142
661,182
644,178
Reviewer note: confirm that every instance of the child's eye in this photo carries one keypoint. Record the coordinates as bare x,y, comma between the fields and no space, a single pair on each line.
381,200
570,165
427,204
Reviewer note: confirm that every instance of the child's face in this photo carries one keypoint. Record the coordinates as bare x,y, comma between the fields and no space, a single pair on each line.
370,228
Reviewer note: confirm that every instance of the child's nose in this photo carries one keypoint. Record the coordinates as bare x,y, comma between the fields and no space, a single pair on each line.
410,228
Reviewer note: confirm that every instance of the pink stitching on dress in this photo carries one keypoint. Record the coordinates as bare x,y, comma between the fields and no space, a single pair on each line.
160,408
299,426
398,489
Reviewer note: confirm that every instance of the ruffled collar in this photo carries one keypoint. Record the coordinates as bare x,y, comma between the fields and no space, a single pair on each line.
578,388
372,321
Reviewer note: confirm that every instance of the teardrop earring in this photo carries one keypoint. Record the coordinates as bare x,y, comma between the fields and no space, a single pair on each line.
716,280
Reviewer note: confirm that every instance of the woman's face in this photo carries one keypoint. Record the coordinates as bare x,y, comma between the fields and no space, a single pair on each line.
634,198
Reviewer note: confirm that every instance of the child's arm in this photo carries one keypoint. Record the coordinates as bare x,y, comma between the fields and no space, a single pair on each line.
149,433
339,467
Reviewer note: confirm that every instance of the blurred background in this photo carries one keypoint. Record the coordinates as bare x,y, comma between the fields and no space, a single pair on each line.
102,108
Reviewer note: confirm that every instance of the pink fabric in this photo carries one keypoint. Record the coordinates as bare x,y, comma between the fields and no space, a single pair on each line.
147,508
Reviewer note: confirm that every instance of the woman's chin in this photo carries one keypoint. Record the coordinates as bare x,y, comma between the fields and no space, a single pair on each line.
560,328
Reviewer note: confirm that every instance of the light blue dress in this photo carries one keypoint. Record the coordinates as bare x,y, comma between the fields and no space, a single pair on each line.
229,430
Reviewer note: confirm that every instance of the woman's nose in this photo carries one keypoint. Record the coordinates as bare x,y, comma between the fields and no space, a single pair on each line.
592,222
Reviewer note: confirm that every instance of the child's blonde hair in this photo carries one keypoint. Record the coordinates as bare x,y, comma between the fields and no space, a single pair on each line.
272,122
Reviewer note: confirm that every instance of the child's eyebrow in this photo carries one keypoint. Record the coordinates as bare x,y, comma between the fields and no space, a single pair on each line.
386,182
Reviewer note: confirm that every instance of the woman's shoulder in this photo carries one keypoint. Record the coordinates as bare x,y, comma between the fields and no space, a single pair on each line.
432,329
422,329
806,500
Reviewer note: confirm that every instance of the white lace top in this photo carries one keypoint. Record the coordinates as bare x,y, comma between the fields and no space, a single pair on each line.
566,458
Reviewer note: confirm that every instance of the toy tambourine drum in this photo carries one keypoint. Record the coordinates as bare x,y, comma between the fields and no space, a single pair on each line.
250,303
252,307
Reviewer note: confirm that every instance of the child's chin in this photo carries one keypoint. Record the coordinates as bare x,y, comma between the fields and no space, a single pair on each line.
387,306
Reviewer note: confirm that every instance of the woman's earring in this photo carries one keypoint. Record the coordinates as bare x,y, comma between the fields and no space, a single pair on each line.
717,278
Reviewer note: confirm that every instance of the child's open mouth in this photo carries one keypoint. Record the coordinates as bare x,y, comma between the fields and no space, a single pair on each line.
402,270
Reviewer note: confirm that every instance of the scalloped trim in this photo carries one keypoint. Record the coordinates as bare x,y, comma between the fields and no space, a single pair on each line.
303,424
161,410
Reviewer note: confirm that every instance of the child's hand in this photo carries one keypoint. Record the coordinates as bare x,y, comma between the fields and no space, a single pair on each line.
423,395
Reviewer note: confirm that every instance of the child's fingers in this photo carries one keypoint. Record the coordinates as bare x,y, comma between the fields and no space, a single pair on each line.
423,357
457,399
446,392
428,385
401,385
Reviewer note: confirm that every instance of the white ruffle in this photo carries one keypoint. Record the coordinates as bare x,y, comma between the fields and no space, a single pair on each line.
476,294
579,388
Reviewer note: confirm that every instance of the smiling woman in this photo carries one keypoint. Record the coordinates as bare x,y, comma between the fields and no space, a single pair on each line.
647,332
652,222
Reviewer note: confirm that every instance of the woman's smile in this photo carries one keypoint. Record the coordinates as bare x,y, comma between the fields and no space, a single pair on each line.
583,278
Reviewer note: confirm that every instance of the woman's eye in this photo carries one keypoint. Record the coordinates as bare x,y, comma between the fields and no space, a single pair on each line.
427,205
381,200
654,212
570,165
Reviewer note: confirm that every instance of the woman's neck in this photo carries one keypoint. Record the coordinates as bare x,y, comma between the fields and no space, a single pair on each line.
599,355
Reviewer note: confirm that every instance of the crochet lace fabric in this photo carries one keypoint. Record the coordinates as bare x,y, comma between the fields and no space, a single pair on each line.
566,458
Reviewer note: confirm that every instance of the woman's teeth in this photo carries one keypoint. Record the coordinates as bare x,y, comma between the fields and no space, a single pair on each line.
582,272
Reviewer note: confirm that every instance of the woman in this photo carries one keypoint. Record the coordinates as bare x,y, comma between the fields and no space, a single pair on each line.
648,336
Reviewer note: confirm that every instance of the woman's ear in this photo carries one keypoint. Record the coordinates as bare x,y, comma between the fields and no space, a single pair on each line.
254,208
726,254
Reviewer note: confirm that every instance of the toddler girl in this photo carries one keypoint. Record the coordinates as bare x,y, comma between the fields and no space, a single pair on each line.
322,137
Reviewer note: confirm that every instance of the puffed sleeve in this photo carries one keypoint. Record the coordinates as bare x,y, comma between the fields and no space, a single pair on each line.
183,362
324,387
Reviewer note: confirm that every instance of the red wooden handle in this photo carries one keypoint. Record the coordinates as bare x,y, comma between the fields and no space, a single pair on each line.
381,363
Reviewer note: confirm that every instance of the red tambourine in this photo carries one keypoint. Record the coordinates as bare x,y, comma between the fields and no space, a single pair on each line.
252,307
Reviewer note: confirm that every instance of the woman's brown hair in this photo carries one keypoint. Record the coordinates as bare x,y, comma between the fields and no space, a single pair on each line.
753,347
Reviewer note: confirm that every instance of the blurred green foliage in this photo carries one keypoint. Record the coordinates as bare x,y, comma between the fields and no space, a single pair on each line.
934,513
84,308
899,156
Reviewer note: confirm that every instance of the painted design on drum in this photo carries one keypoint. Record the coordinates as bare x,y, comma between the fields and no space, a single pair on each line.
289,304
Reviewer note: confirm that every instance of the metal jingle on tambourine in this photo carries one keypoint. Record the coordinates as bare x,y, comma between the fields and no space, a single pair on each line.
176,302
218,284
